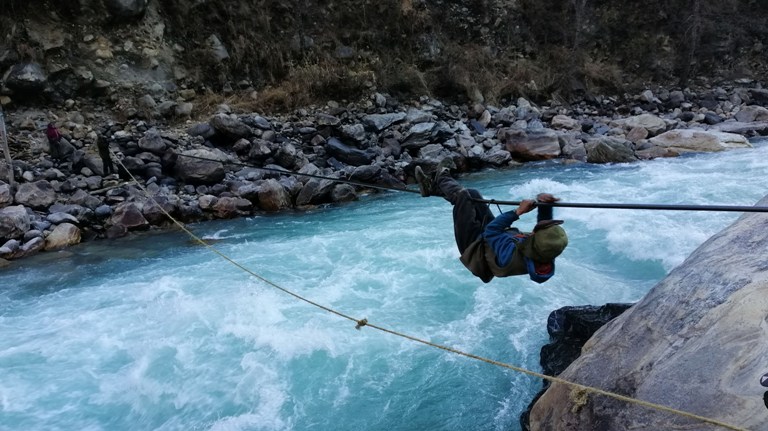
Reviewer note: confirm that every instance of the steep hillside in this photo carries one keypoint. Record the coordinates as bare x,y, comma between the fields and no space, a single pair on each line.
278,54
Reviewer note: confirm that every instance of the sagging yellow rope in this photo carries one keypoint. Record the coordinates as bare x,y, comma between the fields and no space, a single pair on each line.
360,323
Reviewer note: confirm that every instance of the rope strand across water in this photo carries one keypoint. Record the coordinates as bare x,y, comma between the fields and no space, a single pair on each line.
662,207
360,323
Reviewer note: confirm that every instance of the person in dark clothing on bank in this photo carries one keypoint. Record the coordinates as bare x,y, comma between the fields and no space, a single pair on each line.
490,246
54,138
60,149
102,143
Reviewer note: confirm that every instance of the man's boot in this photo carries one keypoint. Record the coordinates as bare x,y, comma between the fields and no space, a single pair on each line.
425,183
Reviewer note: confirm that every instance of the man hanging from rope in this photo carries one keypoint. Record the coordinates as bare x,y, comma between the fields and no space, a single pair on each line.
489,245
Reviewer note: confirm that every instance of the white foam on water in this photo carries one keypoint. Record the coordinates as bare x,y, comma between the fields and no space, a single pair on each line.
177,338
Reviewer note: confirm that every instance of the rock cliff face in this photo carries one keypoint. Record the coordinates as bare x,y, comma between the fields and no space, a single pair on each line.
297,51
696,343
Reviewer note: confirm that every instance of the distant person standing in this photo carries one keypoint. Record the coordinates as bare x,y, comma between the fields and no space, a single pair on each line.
61,149
54,140
102,143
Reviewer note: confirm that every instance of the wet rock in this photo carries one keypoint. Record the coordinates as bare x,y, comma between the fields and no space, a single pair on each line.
103,211
155,210
343,193
32,246
10,250
128,216
272,196
231,207
687,342
606,149
569,329
63,235
314,192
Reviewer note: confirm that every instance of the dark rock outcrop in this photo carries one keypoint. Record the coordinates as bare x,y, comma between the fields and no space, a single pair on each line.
569,328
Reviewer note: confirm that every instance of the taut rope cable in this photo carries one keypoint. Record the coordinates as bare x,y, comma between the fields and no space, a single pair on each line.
733,208
359,323
287,172
663,207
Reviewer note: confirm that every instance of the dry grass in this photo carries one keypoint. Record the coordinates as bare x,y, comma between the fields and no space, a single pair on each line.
315,83
304,86
601,76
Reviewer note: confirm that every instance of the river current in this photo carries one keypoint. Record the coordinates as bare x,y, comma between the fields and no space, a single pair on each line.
156,332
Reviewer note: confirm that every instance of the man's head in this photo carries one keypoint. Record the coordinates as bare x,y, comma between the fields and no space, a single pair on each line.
547,241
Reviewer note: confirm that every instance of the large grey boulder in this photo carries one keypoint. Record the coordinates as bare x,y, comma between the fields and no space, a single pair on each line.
37,195
26,78
653,124
696,342
343,193
231,207
230,128
155,210
738,127
200,167
418,136
272,196
752,113
541,144
314,192
691,140
349,155
63,235
152,142
605,149
14,221
128,216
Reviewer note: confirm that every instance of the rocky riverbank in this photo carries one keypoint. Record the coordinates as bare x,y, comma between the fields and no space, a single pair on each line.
209,170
